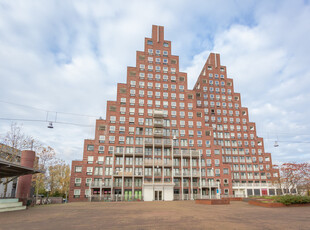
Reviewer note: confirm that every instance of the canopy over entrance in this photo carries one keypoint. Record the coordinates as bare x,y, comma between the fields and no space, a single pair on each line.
9,169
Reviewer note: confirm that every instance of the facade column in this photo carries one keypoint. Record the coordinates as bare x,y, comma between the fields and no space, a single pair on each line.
24,182
123,178
191,168
182,173
200,182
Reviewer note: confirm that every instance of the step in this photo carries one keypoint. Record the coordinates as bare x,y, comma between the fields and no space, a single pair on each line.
9,205
13,209
11,200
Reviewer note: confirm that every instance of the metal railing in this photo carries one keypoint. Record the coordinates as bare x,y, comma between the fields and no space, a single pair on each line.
251,185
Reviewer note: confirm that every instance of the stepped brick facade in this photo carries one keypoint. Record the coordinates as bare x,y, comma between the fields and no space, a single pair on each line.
163,141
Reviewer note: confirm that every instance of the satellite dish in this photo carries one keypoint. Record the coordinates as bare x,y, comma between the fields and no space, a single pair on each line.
276,144
174,137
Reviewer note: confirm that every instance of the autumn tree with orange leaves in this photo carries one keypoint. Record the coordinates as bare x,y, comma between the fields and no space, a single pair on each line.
295,175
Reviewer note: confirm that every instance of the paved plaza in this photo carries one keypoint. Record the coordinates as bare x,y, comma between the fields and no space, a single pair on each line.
156,215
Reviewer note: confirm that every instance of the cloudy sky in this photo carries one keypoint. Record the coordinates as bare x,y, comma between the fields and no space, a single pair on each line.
68,56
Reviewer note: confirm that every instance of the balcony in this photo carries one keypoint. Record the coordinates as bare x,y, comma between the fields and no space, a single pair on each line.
137,153
159,123
119,153
125,174
138,174
148,142
255,185
98,184
196,174
167,142
158,142
158,113
177,174
157,182
187,153
209,184
128,184
148,162
158,133
168,164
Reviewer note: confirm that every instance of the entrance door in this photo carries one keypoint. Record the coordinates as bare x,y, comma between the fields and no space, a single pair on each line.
158,195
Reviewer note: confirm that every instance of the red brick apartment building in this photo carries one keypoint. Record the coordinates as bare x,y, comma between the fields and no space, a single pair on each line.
163,141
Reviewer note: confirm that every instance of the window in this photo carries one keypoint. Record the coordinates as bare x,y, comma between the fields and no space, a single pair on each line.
108,171
78,168
101,139
89,171
111,149
98,171
121,139
112,129
101,149
78,182
90,148
111,139
77,193
90,160
148,122
122,120
131,111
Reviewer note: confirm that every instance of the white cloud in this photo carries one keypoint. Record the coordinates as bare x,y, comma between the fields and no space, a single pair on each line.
68,57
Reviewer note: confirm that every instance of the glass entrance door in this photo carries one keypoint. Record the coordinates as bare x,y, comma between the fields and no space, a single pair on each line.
158,195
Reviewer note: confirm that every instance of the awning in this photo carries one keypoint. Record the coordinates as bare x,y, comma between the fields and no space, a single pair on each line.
8,169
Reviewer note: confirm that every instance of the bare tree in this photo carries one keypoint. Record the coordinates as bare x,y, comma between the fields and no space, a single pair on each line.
18,141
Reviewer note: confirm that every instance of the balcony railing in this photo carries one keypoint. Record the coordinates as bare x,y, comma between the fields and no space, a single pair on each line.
158,123
158,133
167,142
187,153
123,173
158,142
148,163
209,184
253,185
158,113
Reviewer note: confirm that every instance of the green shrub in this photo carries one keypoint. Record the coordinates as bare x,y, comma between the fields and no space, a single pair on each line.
290,199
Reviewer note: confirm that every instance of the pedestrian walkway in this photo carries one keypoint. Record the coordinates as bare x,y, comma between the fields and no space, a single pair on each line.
156,215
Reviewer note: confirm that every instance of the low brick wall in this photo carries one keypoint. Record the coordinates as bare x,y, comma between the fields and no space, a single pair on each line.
267,205
213,201
235,199
275,205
